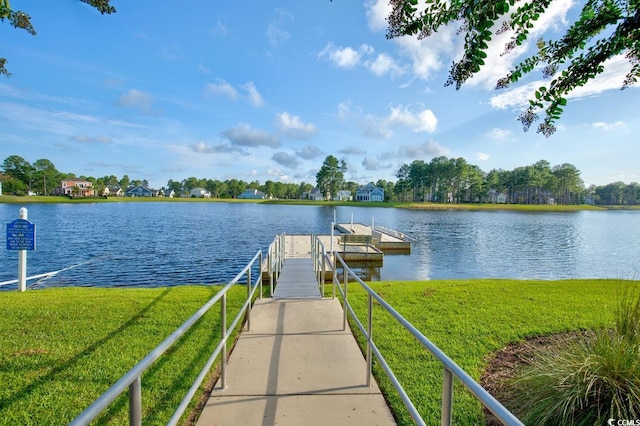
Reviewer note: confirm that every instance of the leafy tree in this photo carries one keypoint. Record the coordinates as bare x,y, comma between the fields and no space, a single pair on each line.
569,184
45,176
175,186
304,187
331,175
124,182
19,19
19,169
603,30
11,185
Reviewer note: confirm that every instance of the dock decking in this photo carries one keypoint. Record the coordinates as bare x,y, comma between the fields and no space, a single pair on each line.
297,366
389,241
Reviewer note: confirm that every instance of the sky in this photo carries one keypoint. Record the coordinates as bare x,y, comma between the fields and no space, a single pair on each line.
266,90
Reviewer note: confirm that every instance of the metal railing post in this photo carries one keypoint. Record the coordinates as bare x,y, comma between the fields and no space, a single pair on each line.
324,270
135,403
369,339
248,298
447,398
261,275
223,336
344,307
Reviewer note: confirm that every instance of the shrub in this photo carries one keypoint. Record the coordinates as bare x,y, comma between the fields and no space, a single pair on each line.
587,379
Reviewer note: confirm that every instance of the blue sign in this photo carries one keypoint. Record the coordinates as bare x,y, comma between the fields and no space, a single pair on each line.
21,235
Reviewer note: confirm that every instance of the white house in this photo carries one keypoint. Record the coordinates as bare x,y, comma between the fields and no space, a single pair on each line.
316,195
369,193
200,193
169,193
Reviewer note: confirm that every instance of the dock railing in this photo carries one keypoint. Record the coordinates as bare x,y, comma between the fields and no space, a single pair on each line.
322,262
450,368
275,258
131,381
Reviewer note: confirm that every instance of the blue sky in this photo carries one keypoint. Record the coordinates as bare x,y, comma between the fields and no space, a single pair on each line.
265,90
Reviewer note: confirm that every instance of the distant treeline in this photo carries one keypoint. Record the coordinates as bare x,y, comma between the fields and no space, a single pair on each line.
444,180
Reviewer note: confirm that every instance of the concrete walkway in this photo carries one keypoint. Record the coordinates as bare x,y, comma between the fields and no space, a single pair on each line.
296,367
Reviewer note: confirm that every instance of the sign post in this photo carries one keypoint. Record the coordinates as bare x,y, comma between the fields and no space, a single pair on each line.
21,236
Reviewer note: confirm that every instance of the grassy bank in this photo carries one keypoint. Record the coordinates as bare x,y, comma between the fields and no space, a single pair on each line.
469,321
61,348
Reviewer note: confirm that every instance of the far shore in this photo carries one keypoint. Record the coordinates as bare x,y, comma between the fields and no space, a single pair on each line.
12,199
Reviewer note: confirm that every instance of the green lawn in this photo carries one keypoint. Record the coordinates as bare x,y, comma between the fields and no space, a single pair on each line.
61,348
469,320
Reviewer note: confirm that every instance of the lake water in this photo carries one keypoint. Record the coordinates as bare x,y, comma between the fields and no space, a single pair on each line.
162,244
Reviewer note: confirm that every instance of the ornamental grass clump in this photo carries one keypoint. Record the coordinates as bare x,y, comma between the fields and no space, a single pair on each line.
587,379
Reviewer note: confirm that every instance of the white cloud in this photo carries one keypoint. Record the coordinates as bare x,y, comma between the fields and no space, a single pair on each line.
293,127
611,79
276,34
425,55
421,121
499,135
384,64
245,135
255,98
203,148
222,88
353,150
135,98
497,64
93,139
430,149
345,57
377,12
608,126
482,156
615,70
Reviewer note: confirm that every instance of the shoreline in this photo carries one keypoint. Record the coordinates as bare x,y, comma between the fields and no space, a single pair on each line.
12,199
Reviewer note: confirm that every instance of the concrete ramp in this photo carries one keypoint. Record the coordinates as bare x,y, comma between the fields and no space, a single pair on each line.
296,367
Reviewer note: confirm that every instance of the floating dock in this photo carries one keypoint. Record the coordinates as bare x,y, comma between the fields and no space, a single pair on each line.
387,240
359,245
350,249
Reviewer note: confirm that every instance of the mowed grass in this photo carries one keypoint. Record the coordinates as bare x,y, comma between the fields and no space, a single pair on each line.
62,348
469,321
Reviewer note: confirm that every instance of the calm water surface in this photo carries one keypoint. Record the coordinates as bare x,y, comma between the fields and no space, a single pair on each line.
161,244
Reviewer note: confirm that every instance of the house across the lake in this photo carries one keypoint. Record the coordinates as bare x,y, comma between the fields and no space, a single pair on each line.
169,193
112,191
369,193
199,193
74,188
141,191
252,194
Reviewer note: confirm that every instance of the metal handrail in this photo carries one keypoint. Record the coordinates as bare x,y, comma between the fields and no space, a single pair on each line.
451,369
275,259
322,263
131,380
